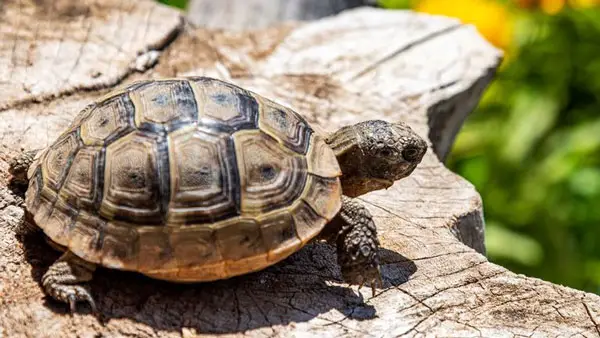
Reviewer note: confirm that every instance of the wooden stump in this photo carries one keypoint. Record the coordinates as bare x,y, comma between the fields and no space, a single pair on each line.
56,56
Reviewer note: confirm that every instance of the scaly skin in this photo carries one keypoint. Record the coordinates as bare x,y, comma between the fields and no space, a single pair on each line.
19,166
354,233
65,279
372,155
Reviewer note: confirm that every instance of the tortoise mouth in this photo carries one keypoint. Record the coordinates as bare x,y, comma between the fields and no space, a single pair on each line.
380,183
388,177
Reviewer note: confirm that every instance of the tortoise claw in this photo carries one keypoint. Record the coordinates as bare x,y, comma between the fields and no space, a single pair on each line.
376,282
72,303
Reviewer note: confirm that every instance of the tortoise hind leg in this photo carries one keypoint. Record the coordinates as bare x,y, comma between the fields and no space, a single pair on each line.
65,280
355,235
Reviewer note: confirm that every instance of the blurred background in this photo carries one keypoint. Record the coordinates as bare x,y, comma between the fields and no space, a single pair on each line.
532,147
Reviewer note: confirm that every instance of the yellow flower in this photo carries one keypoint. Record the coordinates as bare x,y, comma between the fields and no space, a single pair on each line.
491,19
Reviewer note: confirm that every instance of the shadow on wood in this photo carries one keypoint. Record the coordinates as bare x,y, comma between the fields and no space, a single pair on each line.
295,290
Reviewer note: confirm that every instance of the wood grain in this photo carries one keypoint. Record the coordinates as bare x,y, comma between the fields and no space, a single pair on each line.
362,64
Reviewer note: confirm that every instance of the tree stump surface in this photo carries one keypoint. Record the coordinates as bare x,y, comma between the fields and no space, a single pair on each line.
57,56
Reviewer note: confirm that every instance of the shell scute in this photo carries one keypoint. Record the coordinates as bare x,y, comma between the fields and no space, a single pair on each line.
120,246
60,221
194,245
155,250
318,195
57,160
107,120
321,160
224,106
279,234
86,236
164,104
204,183
285,125
80,184
241,245
130,180
308,223
271,176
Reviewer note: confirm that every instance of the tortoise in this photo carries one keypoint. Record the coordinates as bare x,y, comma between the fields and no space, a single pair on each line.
195,179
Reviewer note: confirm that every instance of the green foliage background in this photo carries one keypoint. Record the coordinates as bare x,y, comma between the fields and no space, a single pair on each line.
532,148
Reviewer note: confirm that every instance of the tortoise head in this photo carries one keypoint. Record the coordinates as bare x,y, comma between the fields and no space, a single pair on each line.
373,154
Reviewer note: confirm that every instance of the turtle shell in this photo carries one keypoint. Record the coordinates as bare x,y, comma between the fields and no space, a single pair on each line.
188,179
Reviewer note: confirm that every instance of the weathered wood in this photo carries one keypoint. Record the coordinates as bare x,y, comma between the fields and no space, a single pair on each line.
243,14
359,65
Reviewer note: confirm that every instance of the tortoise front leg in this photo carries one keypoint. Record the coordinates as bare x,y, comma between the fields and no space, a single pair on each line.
20,164
18,167
355,235
65,280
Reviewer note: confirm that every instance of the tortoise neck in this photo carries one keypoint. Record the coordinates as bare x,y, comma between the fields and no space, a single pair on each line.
345,145
343,141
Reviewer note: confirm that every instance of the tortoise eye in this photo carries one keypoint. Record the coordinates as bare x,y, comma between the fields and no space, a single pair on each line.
410,153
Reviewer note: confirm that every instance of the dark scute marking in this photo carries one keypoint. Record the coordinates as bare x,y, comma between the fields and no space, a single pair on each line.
249,104
296,189
164,176
220,98
99,179
268,172
235,175
161,99
103,121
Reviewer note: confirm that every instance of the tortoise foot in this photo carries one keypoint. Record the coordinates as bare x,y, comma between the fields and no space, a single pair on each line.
357,244
65,281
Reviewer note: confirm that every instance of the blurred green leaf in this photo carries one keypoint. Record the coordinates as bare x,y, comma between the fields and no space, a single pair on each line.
504,243
531,116
175,3
586,182
396,4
